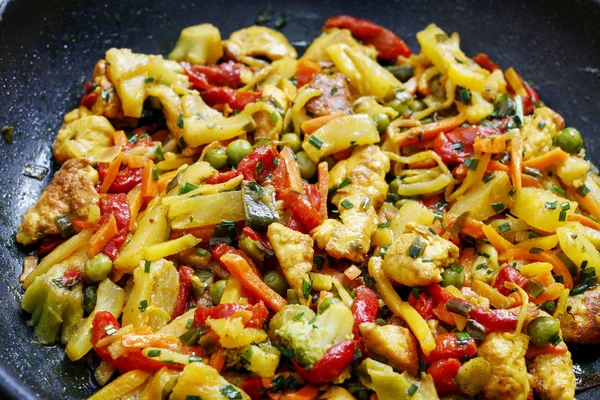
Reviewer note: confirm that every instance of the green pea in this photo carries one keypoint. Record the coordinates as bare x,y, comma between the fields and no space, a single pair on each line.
402,72
570,140
417,105
98,268
89,298
543,330
398,105
308,168
454,275
382,121
276,282
237,150
293,141
262,142
395,185
330,162
217,158
216,291
328,302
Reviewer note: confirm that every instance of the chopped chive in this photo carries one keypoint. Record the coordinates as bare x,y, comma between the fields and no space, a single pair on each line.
427,260
365,203
149,80
187,187
319,261
154,353
143,305
146,266
481,266
412,390
558,190
274,117
275,161
471,163
202,252
488,177
535,250
347,204
458,147
180,121
519,118
541,125
110,329
533,172
464,95
189,323
533,235
498,207
182,143
160,154
230,392
384,250
565,206
298,316
562,217
551,205
344,183
504,228
306,288
105,96
511,192
155,174
463,338
583,191
194,359
334,90
416,248
315,142
384,225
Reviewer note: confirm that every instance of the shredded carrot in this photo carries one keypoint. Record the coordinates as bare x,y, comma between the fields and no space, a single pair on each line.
534,351
558,266
291,164
472,227
496,166
426,132
241,270
515,81
544,278
149,185
516,155
308,392
111,173
529,181
83,224
493,144
411,85
311,125
496,239
102,236
585,221
589,203
424,164
323,172
217,360
352,272
120,138
548,159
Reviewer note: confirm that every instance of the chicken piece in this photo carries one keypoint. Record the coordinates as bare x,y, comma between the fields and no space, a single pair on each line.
258,41
409,266
538,141
506,353
107,103
81,133
317,51
553,377
265,122
335,97
71,192
294,250
393,345
351,238
581,325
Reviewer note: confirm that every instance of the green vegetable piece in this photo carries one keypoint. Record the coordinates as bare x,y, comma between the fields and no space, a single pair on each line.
216,291
258,206
98,267
308,168
217,158
237,150
570,140
276,282
543,330
402,72
328,302
382,121
330,162
454,275
65,226
293,141
191,336
89,298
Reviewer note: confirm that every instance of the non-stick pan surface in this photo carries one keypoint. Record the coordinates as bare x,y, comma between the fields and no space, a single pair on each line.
48,49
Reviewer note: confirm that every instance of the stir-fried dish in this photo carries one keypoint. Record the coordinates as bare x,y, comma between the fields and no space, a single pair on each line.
361,222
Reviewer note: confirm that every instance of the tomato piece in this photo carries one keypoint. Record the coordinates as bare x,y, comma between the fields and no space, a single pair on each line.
457,145
305,71
484,62
423,304
253,387
388,44
448,345
443,373
117,205
302,208
495,320
222,176
209,76
49,243
364,308
185,287
509,274
331,366
126,179
226,95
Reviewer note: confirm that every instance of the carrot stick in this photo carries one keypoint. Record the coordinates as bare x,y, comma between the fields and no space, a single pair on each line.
494,144
583,220
497,166
558,266
149,185
548,159
534,351
241,270
423,133
529,181
589,203
323,172
102,236
291,164
308,392
120,138
496,239
111,173
516,155
311,125
217,360
552,292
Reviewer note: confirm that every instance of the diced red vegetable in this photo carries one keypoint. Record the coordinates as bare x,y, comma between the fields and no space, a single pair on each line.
49,243
117,205
484,62
333,363
126,179
448,345
509,274
300,205
495,320
253,387
423,305
364,308
443,373
387,43
457,145
259,313
222,176
185,287
226,95
209,76
222,248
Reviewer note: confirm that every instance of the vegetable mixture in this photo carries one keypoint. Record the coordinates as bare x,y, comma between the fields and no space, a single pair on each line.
361,222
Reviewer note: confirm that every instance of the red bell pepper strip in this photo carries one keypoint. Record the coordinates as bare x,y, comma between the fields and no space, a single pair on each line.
49,243
509,274
259,313
443,373
90,97
222,176
305,71
448,345
252,234
423,304
133,359
301,207
126,179
272,170
185,287
225,95
209,76
335,361
253,387
387,43
457,145
484,62
364,308
117,205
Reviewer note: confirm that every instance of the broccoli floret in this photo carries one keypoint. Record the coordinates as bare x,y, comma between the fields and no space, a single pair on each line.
308,336
54,300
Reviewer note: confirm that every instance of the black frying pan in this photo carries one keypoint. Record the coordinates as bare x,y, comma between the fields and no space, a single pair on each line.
48,49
